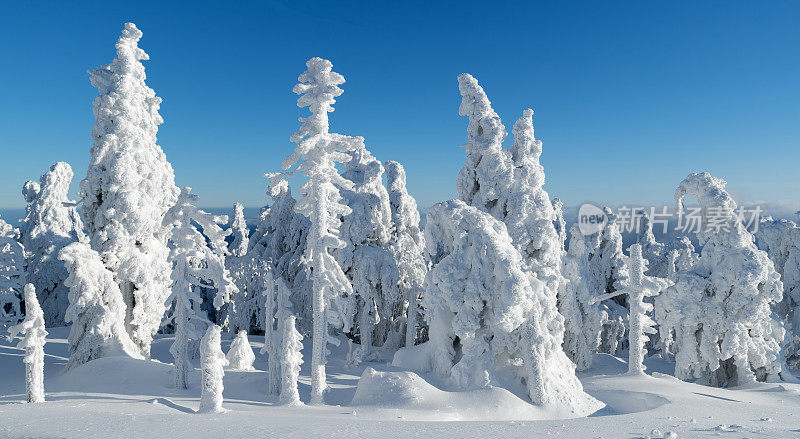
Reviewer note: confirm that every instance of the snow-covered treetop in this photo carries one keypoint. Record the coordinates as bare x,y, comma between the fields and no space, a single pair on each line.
715,202
50,211
129,184
482,182
371,218
525,144
710,191
318,87
317,149
484,124
239,231
30,190
405,214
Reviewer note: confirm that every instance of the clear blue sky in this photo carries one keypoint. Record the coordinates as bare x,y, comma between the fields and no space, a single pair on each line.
629,96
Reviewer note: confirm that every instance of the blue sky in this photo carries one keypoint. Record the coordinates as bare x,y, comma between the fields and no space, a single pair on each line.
629,96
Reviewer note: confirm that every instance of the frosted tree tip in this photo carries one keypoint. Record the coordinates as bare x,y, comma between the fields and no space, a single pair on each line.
528,112
131,31
30,190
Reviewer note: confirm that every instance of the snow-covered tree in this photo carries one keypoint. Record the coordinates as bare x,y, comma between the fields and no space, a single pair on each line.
583,318
128,188
272,337
212,366
639,286
406,244
315,157
507,183
198,260
32,328
12,275
241,356
239,232
291,359
486,313
51,223
365,258
278,246
781,240
653,251
278,308
718,315
609,273
96,309
594,266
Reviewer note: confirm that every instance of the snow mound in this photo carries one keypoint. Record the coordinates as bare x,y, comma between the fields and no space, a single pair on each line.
409,391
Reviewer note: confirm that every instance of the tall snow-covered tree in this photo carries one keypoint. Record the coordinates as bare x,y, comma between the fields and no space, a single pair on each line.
485,312
198,260
33,340
507,183
291,359
583,318
212,366
239,232
51,223
279,244
315,157
12,275
718,314
96,309
129,187
365,258
278,308
406,244
639,287
781,240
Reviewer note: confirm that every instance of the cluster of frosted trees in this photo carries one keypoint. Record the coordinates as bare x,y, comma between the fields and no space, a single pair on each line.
494,288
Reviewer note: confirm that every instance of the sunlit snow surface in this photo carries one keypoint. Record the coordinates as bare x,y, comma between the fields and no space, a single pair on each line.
122,397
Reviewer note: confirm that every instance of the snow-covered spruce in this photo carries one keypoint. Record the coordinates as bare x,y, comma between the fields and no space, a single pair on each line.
128,188
639,286
212,366
406,244
315,157
654,252
96,309
583,318
291,359
12,275
241,356
272,336
277,246
33,340
507,183
486,313
281,344
239,231
198,260
594,266
51,223
717,317
781,240
365,258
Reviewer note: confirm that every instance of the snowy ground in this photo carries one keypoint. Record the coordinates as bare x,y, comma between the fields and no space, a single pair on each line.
120,397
